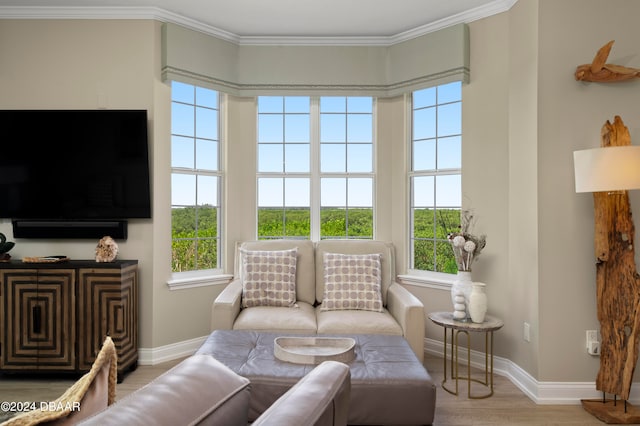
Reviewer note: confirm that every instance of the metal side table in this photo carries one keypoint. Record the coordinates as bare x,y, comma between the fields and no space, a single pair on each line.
490,324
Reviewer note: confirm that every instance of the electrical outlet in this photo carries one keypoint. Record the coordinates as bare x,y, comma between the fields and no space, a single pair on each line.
593,342
527,332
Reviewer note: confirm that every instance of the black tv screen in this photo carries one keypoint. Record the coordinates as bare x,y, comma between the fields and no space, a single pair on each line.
74,164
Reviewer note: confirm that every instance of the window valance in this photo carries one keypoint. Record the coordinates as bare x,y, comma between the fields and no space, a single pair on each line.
251,70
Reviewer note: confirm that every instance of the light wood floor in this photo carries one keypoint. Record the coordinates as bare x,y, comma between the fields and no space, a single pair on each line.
508,406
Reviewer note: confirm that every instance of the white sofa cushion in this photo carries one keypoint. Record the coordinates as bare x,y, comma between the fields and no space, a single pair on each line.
356,322
298,319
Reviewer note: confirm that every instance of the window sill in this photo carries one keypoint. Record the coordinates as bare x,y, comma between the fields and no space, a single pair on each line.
435,280
193,279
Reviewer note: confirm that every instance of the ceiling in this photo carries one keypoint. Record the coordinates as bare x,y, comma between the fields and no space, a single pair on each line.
242,20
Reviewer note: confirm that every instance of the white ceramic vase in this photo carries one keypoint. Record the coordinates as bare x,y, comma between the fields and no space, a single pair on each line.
478,302
459,307
462,284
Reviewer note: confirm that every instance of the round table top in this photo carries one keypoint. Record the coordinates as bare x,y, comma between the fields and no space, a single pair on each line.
445,319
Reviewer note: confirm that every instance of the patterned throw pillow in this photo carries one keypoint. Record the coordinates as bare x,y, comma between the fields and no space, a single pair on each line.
352,281
268,277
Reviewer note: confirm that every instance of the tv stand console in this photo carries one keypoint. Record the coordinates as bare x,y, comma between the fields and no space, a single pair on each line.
55,316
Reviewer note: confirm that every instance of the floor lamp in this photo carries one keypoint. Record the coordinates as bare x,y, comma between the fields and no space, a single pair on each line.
609,172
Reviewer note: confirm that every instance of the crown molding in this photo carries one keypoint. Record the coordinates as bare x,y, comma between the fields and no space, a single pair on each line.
480,12
159,14
78,12
313,41
123,12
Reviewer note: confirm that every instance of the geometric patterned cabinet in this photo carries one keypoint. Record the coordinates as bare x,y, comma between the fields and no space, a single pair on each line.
54,317
108,306
39,319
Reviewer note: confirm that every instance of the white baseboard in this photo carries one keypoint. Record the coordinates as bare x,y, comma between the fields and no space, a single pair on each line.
543,393
153,356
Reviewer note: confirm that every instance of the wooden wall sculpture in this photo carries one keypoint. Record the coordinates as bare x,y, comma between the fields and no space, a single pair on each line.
601,72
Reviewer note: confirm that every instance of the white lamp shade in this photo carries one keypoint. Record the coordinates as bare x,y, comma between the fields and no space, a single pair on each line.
613,168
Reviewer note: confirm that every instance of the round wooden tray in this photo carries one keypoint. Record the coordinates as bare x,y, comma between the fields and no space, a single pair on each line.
314,350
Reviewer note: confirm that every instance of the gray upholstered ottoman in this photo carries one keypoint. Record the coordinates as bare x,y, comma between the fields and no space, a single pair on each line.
388,383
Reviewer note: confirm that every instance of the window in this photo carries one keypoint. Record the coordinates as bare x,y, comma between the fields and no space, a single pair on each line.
315,167
346,167
435,175
196,178
284,167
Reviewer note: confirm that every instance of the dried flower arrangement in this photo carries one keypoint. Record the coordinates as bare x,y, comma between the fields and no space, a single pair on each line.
466,246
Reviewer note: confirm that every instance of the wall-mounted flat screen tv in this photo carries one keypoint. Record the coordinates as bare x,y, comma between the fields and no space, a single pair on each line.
74,164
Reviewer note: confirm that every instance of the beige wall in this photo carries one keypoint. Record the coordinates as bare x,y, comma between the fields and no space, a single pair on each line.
485,160
241,185
523,116
522,242
570,116
83,64
107,64
527,114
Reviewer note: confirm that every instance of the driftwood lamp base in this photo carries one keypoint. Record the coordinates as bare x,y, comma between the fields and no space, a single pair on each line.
618,295
617,282
612,412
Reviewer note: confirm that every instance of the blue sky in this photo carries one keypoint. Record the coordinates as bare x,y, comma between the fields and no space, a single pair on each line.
345,135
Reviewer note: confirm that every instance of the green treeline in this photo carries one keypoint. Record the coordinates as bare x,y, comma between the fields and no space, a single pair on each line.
183,245
296,223
334,223
431,249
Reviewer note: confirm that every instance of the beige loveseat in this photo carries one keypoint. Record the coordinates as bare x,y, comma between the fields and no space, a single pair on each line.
401,312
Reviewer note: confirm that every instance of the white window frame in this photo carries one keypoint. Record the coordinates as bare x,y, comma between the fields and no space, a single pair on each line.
434,277
315,175
211,276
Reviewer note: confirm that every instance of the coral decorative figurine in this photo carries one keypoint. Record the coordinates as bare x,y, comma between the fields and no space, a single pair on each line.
107,250
5,246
